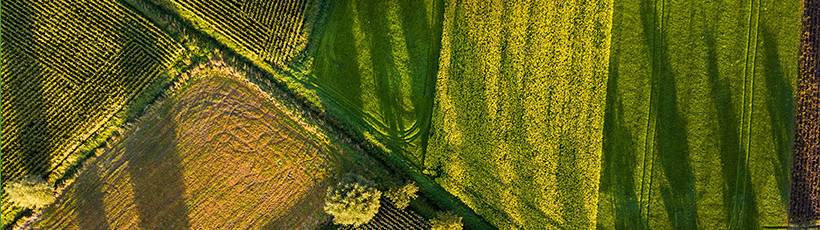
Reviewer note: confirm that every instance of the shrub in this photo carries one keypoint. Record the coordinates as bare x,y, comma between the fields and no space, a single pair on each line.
446,221
31,192
354,201
402,196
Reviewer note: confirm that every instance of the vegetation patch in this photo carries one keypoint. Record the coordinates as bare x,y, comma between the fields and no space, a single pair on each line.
520,98
699,120
68,67
217,153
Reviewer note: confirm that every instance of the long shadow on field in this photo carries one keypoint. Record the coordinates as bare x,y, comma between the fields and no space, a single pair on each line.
90,205
671,143
337,70
619,156
154,169
569,182
423,41
24,90
386,75
738,198
780,106
154,165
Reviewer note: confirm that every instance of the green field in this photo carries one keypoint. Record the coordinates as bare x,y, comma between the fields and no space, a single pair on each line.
525,114
374,67
69,69
519,110
699,121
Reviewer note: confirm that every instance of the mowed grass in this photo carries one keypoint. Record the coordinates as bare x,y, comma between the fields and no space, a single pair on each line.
219,153
699,121
374,65
519,113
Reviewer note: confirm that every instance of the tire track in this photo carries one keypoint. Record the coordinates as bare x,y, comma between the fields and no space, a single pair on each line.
738,207
651,124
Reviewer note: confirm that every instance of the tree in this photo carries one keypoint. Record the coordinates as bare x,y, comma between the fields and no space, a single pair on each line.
446,221
403,195
30,192
353,201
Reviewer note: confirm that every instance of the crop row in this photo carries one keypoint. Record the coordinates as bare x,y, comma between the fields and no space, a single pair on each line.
390,217
68,67
805,199
273,30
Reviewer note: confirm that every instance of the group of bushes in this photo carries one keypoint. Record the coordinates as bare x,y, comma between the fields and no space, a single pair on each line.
31,192
355,201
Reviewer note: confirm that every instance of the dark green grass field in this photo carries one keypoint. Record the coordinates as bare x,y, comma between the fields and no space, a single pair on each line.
699,116
374,68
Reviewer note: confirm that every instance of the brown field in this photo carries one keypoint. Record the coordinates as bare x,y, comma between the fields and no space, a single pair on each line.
219,153
805,198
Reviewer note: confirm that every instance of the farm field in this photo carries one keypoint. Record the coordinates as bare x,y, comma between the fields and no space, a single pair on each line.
805,199
246,162
698,131
428,114
69,69
519,110
274,32
374,68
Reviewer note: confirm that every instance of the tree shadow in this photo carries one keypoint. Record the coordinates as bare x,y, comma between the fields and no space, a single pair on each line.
671,143
90,204
569,182
154,164
619,156
384,71
27,137
29,150
423,41
738,196
336,70
780,106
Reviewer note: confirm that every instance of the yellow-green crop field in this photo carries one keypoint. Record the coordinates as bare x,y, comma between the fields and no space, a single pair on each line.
519,110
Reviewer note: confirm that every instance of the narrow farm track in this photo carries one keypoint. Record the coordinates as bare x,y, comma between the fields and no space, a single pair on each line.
804,206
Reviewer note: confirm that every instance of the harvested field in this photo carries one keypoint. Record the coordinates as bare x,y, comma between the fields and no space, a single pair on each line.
805,197
216,154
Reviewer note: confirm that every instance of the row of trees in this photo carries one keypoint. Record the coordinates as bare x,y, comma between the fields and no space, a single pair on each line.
355,201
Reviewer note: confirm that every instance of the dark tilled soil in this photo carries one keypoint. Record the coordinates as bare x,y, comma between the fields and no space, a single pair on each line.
805,198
